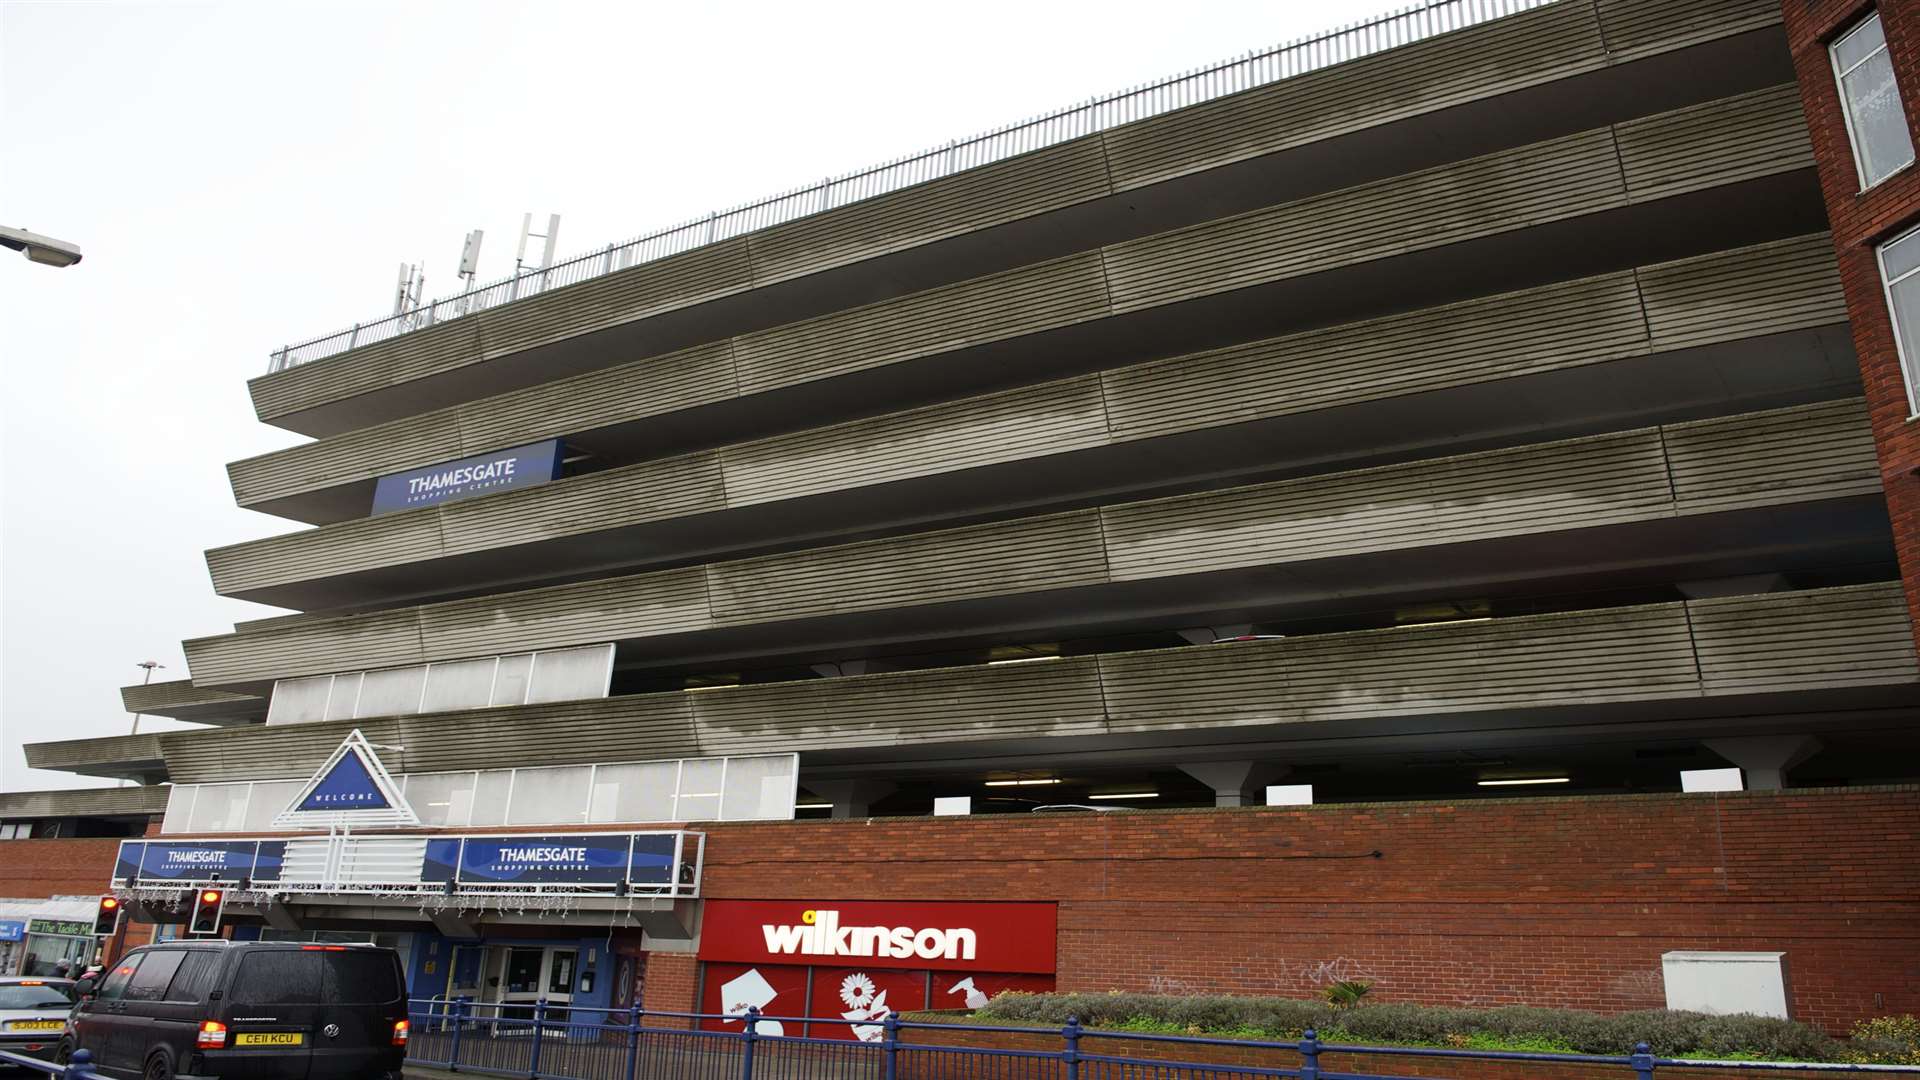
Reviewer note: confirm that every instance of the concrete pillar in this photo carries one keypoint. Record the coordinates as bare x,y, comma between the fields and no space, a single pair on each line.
1765,759
1234,783
851,798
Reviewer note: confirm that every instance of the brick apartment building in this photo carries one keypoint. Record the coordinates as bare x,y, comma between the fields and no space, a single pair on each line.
1431,504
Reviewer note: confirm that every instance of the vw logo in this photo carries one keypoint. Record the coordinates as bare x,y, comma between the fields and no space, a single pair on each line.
331,1031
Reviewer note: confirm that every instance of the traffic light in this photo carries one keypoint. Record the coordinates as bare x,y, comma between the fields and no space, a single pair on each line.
206,911
107,917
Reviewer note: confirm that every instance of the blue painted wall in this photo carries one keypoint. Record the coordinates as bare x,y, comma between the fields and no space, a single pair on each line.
433,948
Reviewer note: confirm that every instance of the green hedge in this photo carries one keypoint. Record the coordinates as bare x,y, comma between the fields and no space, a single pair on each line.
1670,1033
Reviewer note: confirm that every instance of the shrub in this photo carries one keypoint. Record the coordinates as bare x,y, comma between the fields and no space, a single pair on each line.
1346,992
1885,1040
1514,1027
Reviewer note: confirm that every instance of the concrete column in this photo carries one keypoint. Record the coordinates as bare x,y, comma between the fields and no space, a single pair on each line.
851,798
1234,783
1765,759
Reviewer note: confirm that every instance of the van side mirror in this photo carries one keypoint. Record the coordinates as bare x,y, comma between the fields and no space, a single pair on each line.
86,987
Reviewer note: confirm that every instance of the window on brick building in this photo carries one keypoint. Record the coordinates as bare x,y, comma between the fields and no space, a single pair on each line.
1876,119
1900,269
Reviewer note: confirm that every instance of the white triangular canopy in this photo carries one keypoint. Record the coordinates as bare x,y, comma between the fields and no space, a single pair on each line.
351,788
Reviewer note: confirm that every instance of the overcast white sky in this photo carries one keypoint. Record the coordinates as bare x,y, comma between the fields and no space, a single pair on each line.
241,175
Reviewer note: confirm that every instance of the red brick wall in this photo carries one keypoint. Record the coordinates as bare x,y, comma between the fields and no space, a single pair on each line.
672,986
1566,902
1860,220
31,869
38,869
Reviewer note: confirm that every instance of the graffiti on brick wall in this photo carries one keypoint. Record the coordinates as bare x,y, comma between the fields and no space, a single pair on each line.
1338,969
1648,986
1167,984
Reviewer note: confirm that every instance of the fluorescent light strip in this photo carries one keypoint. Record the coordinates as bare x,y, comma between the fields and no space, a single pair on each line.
813,806
1518,783
1023,783
1022,660
1128,795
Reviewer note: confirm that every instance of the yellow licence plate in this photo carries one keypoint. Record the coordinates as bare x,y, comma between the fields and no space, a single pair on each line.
35,1025
269,1038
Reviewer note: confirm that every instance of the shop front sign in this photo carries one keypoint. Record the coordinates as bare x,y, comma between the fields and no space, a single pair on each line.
12,930
60,927
952,936
845,964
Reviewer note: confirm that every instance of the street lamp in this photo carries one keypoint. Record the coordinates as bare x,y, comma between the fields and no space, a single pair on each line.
149,665
41,249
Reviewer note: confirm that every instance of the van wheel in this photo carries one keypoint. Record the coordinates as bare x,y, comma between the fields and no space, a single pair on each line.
158,1068
63,1053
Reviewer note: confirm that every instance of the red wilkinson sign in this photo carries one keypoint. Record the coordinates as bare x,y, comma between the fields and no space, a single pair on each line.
881,934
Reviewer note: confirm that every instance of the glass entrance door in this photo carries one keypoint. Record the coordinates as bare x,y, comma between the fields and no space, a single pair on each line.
559,977
520,984
528,973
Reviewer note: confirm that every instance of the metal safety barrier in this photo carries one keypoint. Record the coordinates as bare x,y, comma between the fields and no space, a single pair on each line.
1322,50
80,1068
561,1042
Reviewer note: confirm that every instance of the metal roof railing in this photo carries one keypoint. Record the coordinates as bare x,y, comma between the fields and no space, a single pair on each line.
1322,50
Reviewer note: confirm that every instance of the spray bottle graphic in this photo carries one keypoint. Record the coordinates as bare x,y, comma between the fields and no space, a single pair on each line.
975,999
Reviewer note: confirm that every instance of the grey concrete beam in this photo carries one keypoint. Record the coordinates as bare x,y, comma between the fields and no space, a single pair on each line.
1765,759
1234,783
852,798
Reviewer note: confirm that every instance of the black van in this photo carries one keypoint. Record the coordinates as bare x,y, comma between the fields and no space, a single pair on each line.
245,1010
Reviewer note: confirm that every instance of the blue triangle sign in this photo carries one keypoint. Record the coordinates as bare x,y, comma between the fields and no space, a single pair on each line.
349,785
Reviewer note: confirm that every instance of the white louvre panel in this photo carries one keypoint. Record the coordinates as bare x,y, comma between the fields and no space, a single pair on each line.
306,860
382,860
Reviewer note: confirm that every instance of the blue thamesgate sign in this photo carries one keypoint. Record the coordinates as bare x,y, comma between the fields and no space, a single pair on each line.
197,861
585,859
190,862
12,930
521,466
585,862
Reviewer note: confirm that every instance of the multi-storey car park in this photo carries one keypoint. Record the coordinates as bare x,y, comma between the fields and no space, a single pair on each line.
1516,405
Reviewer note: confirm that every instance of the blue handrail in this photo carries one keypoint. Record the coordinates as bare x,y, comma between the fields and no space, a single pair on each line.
563,1042
80,1068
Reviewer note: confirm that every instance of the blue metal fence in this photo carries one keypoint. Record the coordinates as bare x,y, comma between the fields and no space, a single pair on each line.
563,1043
80,1068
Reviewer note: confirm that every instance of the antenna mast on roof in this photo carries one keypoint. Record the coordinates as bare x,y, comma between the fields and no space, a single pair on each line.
551,236
469,267
412,284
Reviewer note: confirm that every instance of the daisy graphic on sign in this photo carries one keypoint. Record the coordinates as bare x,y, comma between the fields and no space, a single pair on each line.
863,1003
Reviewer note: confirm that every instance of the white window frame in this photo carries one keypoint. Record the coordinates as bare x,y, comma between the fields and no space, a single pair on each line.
1893,315
426,679
1846,103
191,792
